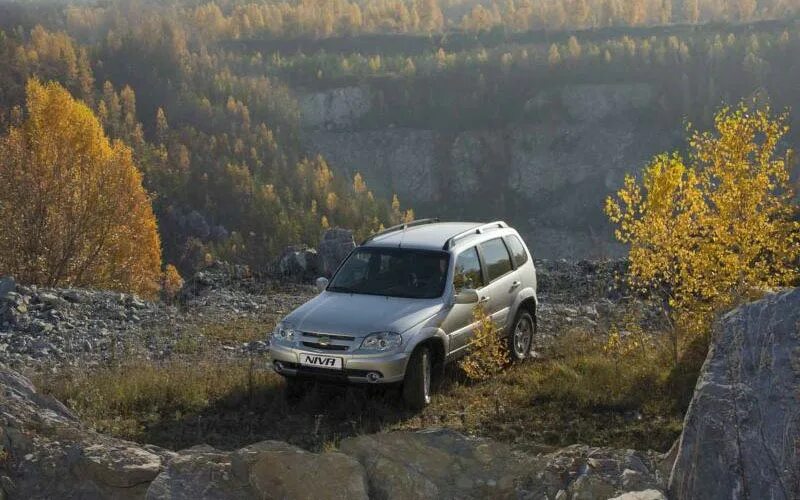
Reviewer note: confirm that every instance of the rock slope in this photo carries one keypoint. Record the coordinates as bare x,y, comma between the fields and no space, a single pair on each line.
741,437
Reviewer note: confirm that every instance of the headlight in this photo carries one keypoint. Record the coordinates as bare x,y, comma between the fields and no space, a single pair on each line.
381,341
284,333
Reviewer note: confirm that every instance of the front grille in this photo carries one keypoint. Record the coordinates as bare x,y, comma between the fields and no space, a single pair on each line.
346,338
332,342
326,347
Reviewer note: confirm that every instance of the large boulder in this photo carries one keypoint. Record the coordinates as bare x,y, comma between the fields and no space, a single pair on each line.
269,469
335,245
439,463
298,263
48,453
741,436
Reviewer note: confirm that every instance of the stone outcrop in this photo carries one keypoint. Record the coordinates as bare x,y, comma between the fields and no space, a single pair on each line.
47,453
439,463
570,151
335,108
741,436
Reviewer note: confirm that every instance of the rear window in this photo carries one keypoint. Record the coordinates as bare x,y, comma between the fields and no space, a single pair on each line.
517,249
496,257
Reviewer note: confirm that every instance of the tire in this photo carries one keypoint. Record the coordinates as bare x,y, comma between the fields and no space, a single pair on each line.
520,338
417,383
295,388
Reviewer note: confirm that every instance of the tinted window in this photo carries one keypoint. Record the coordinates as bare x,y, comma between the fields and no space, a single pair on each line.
468,270
495,255
394,272
517,249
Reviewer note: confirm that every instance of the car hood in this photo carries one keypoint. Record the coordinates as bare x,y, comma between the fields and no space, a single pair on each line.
359,315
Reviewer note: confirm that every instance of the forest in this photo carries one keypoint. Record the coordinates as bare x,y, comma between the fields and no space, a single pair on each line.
204,94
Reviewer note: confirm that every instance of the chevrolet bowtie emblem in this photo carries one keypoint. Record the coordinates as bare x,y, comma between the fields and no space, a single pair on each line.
324,340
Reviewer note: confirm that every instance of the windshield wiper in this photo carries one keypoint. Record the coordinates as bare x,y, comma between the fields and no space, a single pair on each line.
341,289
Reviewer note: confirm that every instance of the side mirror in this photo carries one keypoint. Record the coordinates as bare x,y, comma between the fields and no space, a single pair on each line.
322,284
467,296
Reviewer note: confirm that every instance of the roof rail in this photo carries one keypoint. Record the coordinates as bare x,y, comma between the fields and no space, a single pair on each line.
475,230
401,227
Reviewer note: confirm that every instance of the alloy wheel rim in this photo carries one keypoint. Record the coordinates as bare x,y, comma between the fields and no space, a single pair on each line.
523,335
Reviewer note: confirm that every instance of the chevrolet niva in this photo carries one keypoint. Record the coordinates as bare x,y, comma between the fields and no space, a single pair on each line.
401,306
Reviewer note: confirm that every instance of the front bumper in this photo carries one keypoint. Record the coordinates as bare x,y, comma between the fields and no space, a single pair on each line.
356,367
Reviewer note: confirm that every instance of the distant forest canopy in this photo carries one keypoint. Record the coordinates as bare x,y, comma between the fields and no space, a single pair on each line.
326,18
204,93
480,87
218,150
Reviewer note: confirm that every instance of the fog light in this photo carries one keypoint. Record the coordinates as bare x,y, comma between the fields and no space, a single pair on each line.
373,377
278,366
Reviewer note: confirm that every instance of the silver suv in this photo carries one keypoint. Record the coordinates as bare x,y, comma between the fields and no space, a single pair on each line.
402,304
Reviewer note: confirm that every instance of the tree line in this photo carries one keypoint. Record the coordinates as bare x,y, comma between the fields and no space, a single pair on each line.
217,152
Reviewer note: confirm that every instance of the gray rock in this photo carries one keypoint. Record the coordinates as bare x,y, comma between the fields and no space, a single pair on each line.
741,432
335,245
119,466
641,495
7,284
298,263
199,473
444,464
50,454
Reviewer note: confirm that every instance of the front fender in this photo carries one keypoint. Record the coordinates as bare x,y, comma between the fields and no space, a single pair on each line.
427,333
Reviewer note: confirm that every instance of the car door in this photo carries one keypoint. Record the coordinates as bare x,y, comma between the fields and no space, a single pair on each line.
459,322
501,278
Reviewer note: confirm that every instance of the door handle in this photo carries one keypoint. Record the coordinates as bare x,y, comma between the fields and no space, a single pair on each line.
483,299
516,284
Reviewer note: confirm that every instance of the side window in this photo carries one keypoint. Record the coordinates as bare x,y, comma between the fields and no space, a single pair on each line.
495,255
468,270
518,254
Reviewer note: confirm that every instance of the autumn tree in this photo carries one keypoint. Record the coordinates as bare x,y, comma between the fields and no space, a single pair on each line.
713,228
72,209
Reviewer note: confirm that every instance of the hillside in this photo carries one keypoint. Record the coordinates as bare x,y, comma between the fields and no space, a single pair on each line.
251,122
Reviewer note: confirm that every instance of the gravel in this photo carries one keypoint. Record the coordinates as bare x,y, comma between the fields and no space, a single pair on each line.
53,328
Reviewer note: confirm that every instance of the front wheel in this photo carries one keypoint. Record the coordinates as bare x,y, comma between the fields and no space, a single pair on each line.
417,383
521,336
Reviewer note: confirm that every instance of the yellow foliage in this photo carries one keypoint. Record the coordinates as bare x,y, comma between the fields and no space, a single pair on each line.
710,230
487,352
171,282
359,185
72,207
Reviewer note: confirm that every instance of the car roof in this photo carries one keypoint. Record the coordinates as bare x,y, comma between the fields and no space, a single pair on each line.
431,236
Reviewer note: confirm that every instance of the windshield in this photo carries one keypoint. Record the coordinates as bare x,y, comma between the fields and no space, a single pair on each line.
393,272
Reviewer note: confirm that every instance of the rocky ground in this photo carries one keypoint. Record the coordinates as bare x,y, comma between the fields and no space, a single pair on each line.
226,310
58,328
736,444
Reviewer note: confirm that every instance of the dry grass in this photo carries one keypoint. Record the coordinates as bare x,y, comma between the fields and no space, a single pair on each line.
582,394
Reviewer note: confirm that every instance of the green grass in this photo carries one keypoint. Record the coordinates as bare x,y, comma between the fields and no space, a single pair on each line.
580,395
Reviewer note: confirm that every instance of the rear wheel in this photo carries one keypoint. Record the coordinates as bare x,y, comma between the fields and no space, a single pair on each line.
417,383
521,336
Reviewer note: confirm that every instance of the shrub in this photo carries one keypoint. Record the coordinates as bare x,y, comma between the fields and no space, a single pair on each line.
708,231
72,207
171,283
487,354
